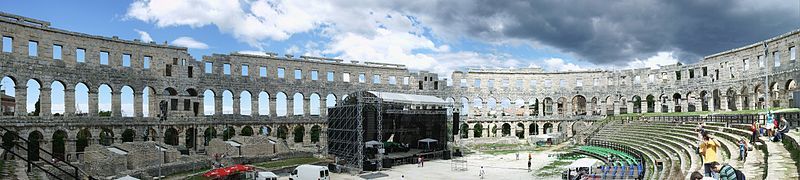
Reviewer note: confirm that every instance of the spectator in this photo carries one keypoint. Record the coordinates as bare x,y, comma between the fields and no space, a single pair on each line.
742,149
726,172
482,173
708,148
754,130
696,176
784,127
770,124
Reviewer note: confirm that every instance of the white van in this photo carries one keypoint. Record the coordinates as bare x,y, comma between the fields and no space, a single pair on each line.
310,172
266,176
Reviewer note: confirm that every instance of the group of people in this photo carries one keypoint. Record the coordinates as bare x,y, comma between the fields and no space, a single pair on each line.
712,168
772,128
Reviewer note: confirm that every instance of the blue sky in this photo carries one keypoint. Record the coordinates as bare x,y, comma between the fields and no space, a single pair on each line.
434,35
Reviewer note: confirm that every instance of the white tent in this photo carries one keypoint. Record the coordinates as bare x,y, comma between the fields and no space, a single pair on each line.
128,177
427,142
372,143
583,162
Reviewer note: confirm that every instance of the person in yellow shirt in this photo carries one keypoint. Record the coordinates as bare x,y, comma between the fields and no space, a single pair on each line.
709,148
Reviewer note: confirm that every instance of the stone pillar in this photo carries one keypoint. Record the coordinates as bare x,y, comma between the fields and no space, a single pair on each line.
307,136
137,105
45,102
69,101
711,103
92,103
182,138
217,104
306,106
568,108
323,107
254,107
527,129
629,106
236,102
290,109
657,106
643,107
70,148
616,107
603,108
671,107
116,105
21,98
201,106
540,108
723,103
272,112
684,105
740,102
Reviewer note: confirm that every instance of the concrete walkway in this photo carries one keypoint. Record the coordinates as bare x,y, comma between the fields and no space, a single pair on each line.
780,163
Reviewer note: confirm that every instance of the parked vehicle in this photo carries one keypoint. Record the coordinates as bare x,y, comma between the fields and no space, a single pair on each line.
310,172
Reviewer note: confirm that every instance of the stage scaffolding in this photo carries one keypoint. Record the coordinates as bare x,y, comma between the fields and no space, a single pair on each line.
360,118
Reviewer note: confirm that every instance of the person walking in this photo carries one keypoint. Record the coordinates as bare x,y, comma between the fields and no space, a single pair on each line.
517,155
482,173
529,166
419,161
709,148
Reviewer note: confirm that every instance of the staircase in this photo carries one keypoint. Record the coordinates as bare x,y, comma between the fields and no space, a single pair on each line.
58,171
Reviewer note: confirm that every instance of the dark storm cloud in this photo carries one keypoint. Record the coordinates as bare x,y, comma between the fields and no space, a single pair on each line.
616,32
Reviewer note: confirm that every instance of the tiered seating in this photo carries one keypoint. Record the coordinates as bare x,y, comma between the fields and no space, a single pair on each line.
675,145
606,152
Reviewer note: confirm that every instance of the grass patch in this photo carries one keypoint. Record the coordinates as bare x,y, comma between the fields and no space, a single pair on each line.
553,168
288,162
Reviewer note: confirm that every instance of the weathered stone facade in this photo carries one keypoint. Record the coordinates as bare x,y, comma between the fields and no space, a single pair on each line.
529,101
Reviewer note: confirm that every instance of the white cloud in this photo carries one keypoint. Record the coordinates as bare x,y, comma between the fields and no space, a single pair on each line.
189,43
558,64
144,36
293,50
653,62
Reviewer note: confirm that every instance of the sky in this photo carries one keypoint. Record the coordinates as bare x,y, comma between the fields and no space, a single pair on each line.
439,36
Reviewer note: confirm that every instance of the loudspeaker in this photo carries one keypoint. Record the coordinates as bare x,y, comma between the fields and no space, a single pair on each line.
456,123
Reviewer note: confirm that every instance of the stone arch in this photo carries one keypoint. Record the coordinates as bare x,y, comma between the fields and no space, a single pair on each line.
651,103
506,130
313,104
491,103
33,105
82,140
579,105
265,130
228,133
330,100
263,103
126,101
128,135
106,136
520,131
316,130
246,131
690,102
731,97
759,92
609,105
676,101
58,144
57,106
561,105
208,134
464,106
505,103
281,104
9,139
791,88
478,104
245,103
594,106
664,101
547,128
548,106
533,107
227,102
716,96
703,100
533,129
282,132
297,104
477,130
150,135
623,105
298,133
208,102
8,85
104,100
149,106
637,104
463,131
34,141
171,136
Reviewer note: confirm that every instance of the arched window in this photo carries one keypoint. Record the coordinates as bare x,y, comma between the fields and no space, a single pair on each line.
227,102
57,98
263,103
126,100
297,104
208,102
313,104
330,100
245,103
280,104
104,100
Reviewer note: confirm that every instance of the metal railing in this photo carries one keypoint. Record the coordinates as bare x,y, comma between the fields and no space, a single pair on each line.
77,173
